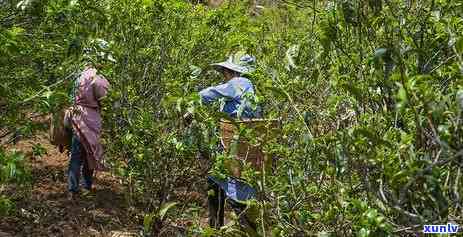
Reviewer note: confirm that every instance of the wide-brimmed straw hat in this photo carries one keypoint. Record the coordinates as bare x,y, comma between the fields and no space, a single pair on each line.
241,64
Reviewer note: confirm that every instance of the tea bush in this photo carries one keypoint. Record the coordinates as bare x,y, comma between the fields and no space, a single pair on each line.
13,171
369,94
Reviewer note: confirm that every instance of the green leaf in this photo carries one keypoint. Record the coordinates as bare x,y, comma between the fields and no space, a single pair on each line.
459,45
278,91
23,4
291,54
209,232
15,31
195,72
402,97
73,3
380,53
147,222
12,170
165,208
460,99
363,233
371,214
323,234
179,104
128,137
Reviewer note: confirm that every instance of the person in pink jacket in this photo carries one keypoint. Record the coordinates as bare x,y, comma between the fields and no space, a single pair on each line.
85,120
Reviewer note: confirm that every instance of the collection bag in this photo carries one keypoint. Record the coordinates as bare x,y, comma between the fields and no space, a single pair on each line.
60,131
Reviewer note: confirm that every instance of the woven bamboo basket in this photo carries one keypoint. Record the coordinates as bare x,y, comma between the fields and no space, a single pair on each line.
252,154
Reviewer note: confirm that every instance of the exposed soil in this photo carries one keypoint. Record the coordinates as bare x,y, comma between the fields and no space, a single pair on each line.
45,210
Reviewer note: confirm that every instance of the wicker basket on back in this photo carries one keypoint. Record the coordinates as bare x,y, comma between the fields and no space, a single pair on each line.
263,129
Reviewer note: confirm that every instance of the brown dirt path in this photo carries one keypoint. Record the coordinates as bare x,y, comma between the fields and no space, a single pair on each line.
44,210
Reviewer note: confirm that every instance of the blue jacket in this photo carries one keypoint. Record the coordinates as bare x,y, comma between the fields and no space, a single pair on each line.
236,93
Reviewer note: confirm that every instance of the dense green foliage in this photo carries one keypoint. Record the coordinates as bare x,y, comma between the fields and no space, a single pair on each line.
370,94
13,171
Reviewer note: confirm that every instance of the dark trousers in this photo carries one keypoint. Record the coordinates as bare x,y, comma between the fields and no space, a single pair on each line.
77,163
216,204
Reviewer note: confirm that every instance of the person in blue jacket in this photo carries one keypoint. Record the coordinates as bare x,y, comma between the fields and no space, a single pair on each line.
237,91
